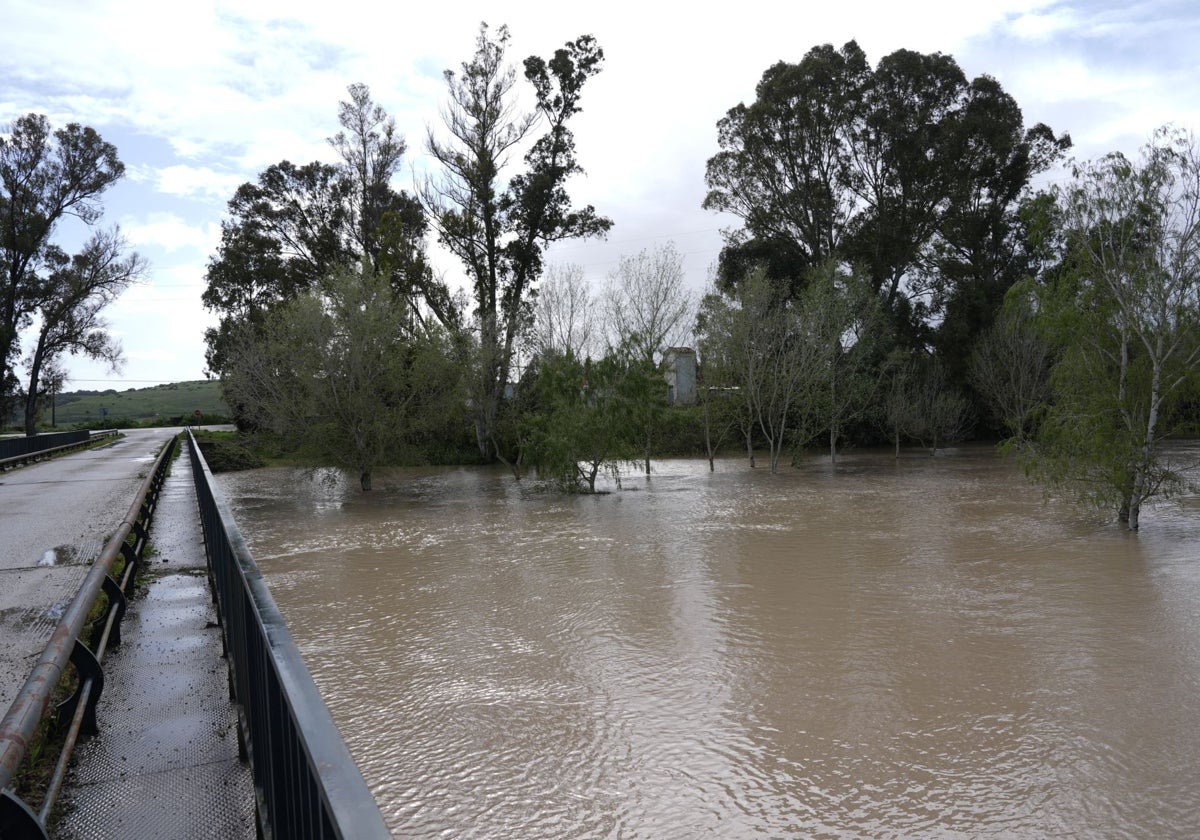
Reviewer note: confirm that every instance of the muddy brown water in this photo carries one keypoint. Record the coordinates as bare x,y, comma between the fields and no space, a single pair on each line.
913,648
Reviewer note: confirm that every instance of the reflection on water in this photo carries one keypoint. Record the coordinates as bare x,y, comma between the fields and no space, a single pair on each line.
889,649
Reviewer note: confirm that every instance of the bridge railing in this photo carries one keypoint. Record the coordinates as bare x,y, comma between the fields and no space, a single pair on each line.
17,450
307,784
20,725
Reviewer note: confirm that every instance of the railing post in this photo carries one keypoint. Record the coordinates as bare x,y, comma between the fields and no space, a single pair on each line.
17,822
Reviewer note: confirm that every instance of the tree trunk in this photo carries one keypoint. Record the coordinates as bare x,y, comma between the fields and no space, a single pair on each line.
708,447
364,479
35,373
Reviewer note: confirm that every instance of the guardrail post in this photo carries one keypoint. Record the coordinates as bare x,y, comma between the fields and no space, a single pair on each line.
17,822
88,668
116,598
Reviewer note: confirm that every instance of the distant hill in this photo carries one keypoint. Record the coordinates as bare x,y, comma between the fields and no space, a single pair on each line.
140,404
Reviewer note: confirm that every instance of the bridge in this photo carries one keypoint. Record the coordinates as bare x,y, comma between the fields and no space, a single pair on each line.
185,711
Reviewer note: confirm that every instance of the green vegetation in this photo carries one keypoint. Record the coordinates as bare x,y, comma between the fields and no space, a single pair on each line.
899,276
173,404
46,177
228,451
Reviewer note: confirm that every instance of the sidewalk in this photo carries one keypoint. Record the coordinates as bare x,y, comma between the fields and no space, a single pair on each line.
165,764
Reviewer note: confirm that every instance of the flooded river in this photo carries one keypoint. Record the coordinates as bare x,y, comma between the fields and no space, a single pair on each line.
921,648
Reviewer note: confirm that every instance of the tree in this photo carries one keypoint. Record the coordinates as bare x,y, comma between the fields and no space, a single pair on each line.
499,229
564,317
583,424
907,170
44,177
648,310
765,349
722,339
935,414
1010,367
645,303
785,166
68,316
283,235
297,224
842,324
337,372
1125,313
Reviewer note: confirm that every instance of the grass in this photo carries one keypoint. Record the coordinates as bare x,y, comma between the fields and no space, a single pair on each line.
161,403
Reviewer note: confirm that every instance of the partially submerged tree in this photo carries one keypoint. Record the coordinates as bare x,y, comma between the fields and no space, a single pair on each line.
1125,313
1010,367
936,415
843,324
499,225
338,374
583,427
648,311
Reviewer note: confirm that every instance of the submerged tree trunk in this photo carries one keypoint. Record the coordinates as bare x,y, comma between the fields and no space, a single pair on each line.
514,466
708,432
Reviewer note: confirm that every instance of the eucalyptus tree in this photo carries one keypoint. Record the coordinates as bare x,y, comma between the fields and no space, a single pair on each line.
45,177
498,224
69,315
785,167
1125,313
296,224
906,169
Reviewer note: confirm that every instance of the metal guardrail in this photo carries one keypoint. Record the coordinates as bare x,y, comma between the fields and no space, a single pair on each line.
19,727
305,779
17,450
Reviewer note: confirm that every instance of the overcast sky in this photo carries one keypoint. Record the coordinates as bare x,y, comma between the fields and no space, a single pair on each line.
200,97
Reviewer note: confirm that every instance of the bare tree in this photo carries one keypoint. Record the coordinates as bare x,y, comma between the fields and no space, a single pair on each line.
1010,367
648,311
565,318
937,416
646,305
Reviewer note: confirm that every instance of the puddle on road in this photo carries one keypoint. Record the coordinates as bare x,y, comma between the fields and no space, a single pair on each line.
60,555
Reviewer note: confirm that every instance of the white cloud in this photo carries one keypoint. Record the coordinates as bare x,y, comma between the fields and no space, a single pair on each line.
219,89
171,233
186,180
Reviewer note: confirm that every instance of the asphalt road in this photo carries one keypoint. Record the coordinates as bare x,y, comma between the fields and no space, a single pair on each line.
54,519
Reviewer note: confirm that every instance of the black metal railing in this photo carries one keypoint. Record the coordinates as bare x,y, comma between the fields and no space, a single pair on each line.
19,728
17,450
306,782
